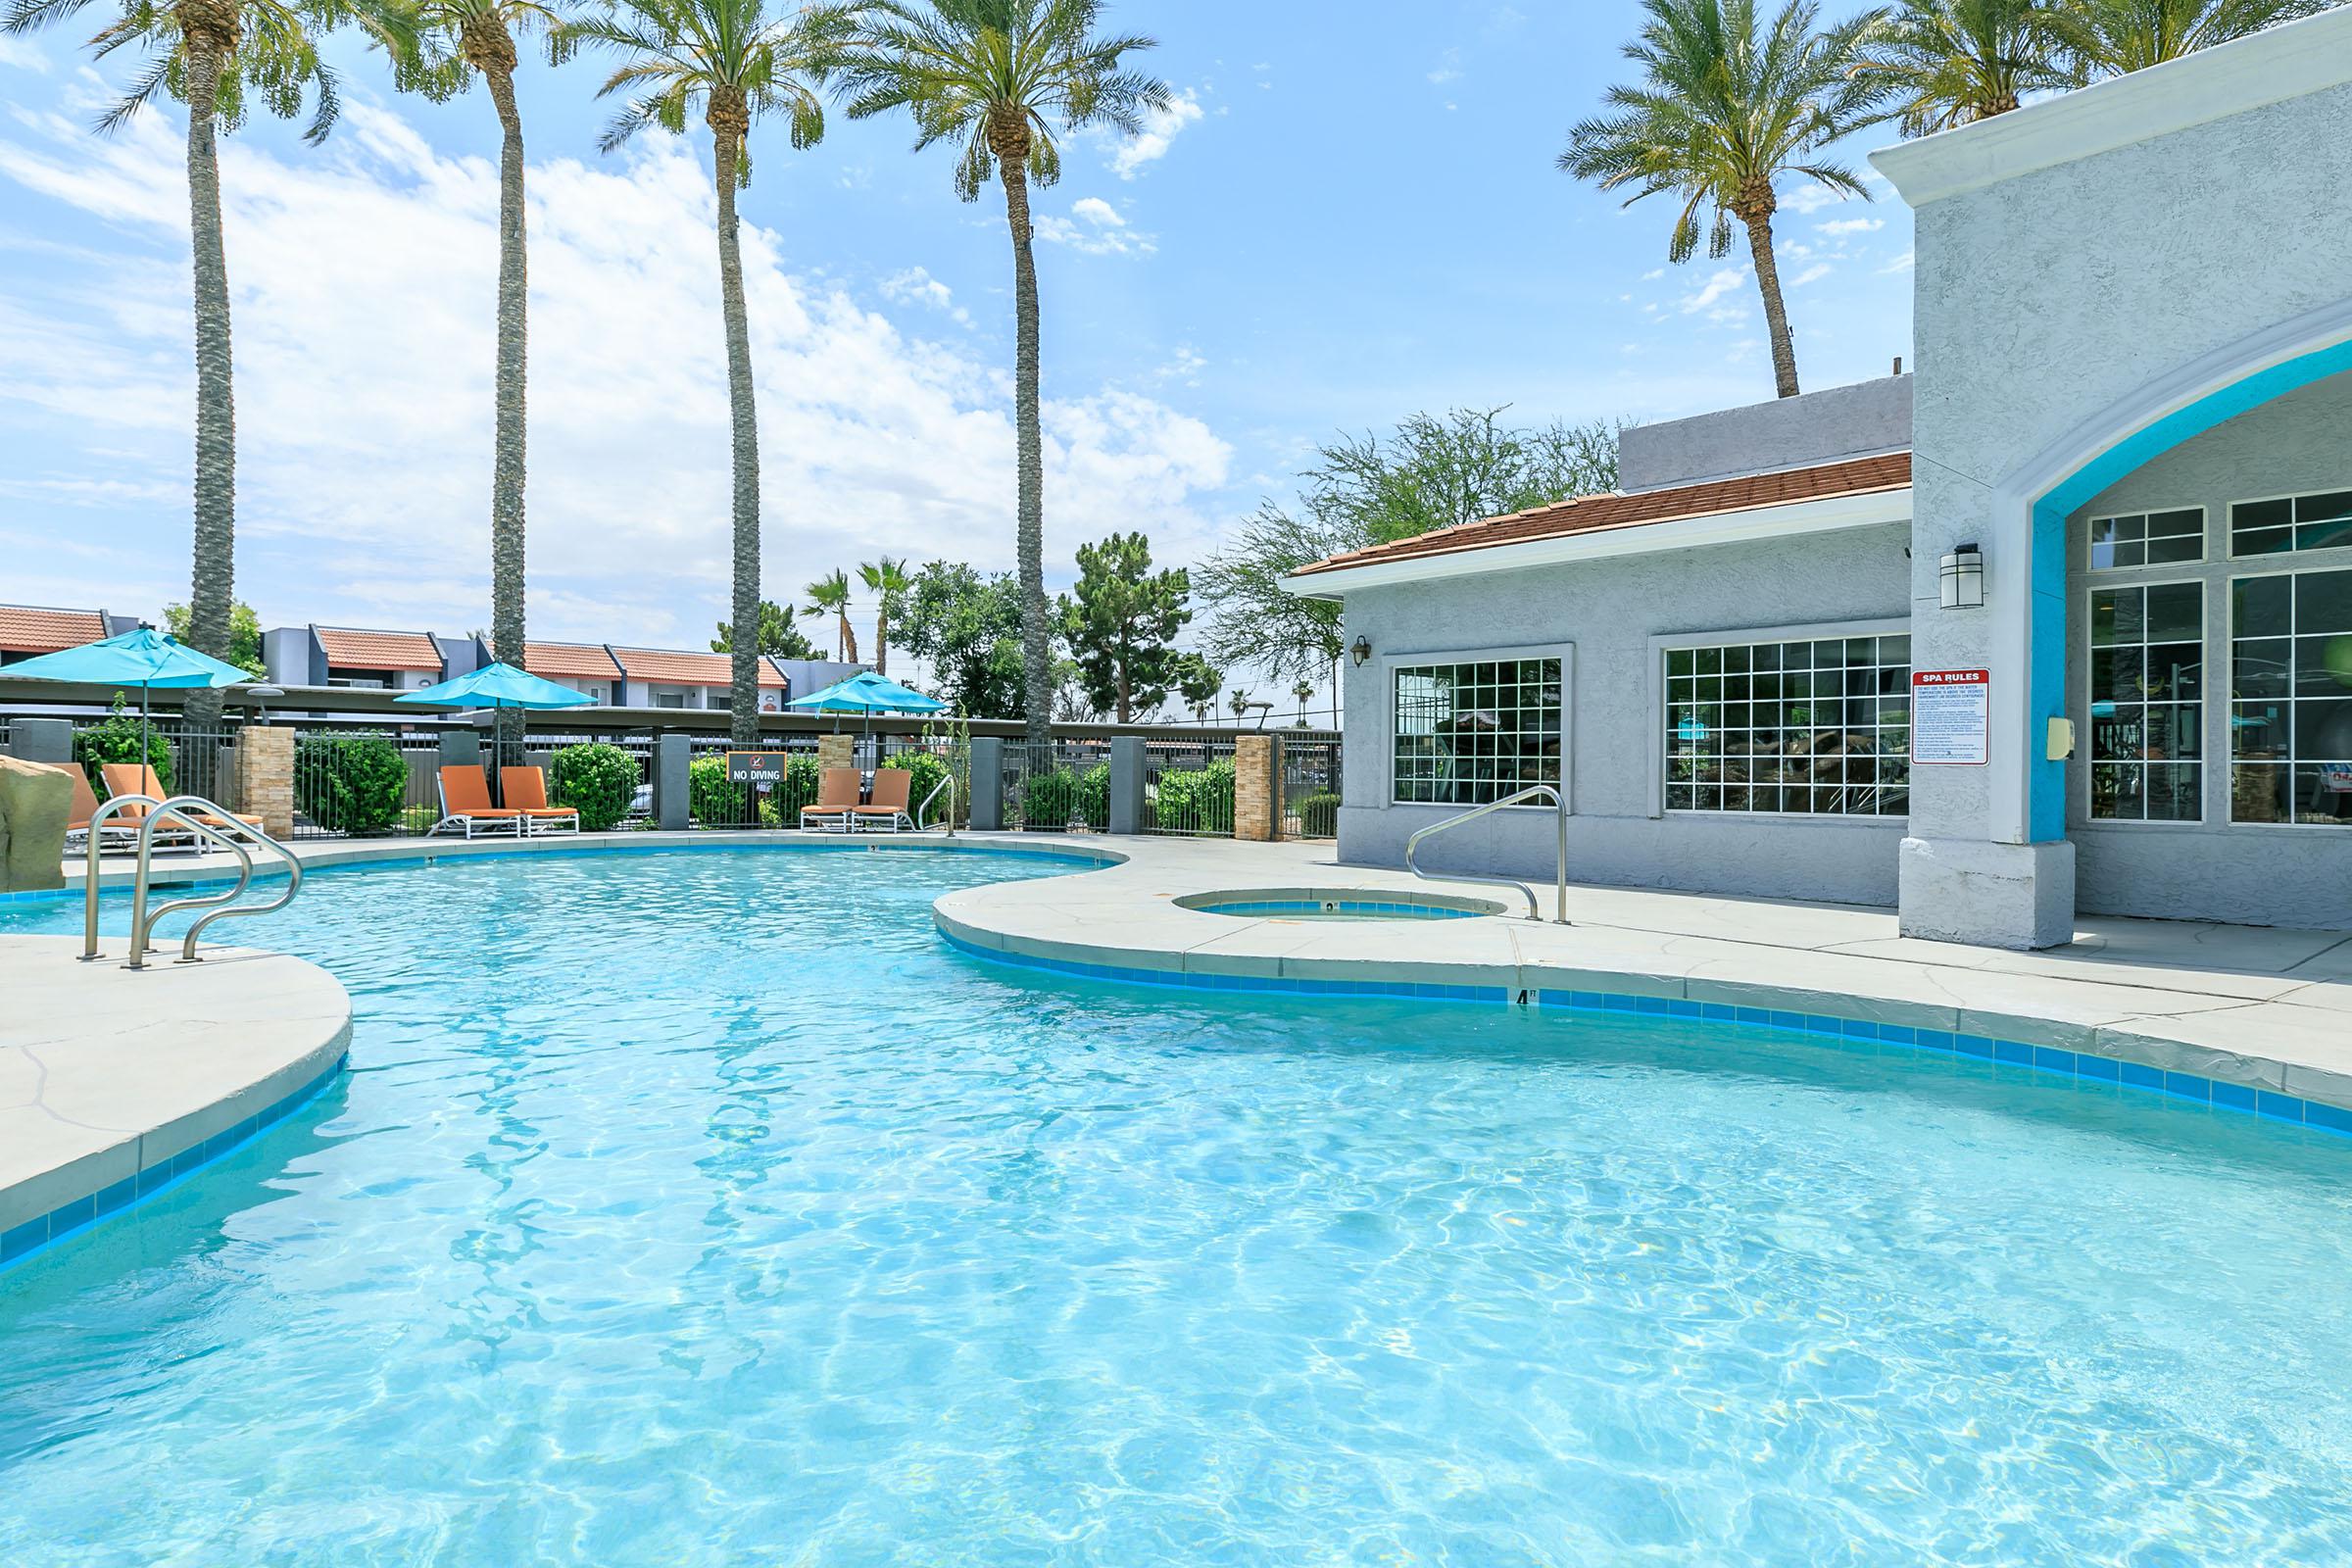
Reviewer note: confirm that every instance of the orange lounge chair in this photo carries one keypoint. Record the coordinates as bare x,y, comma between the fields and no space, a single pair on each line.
466,803
886,807
525,791
85,807
138,779
837,792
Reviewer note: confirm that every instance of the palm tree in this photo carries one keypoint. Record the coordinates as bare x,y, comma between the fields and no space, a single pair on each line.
458,39
889,583
214,56
1304,692
737,64
830,596
1726,109
1004,78
2109,37
1954,62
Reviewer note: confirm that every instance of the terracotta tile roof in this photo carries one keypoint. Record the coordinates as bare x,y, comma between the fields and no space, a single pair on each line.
1596,513
578,660
667,667
25,629
347,648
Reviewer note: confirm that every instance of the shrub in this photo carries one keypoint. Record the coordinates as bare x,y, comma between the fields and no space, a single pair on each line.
1056,798
350,783
116,739
417,819
597,780
928,771
1319,816
1197,802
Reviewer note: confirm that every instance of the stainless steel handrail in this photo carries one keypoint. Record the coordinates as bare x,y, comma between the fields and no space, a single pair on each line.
1559,806
949,784
220,905
90,875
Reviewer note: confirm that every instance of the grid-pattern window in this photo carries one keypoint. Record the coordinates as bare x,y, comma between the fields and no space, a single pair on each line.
2148,539
2147,703
2291,522
1818,727
1467,734
2291,685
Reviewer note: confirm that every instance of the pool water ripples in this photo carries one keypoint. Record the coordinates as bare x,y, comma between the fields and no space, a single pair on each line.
711,1210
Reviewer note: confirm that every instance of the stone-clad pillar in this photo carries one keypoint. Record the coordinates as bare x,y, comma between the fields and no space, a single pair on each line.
1257,791
837,750
266,777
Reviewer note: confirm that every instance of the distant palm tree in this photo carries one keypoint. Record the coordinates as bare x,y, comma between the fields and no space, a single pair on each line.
886,580
737,64
1240,703
1724,110
2109,37
216,56
1004,78
456,40
1953,61
830,596
1304,692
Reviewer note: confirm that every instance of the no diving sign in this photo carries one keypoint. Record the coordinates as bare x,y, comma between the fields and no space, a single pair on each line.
1952,715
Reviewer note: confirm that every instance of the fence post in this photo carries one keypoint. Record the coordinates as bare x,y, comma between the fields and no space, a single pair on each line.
41,740
1257,787
265,774
461,748
836,751
674,775
1127,784
988,784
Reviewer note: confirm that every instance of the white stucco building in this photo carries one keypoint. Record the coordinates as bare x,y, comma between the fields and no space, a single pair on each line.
2134,399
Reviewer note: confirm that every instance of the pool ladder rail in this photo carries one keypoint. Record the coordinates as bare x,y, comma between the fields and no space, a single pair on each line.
197,816
1534,791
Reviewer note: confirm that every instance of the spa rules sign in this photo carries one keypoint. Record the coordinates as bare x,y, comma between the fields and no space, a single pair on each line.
1952,715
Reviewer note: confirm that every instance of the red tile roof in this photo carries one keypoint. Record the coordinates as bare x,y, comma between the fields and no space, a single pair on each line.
578,660
667,667
378,649
1598,513
25,629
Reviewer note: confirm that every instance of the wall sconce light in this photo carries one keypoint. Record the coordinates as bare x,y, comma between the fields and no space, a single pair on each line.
1960,578
1361,652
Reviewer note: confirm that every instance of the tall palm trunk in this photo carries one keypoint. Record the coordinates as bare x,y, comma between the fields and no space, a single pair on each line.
729,123
1037,649
882,638
1757,218
494,56
210,36
844,642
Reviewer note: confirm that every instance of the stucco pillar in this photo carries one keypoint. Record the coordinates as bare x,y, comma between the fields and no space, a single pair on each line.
1127,784
988,784
837,750
1257,791
674,760
265,774
41,740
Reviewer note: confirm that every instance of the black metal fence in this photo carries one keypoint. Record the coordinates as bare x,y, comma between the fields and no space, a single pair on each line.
1063,786
1188,788
1309,785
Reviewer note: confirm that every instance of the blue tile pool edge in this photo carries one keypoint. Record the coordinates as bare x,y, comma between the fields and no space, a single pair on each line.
21,1242
2213,1093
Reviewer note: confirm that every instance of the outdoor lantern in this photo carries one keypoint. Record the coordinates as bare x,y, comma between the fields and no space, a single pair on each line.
1363,650
1961,578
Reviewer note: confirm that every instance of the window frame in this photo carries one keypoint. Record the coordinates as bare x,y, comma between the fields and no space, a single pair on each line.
2228,820
1654,719
2230,554
2205,555
2109,584
1388,663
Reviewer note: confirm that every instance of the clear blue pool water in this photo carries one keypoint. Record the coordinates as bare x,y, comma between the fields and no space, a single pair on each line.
708,1210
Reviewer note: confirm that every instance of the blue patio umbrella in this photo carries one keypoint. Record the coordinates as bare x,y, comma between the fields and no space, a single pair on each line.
869,694
497,686
143,659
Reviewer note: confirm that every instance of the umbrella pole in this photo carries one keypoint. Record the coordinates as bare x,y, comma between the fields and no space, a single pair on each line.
144,752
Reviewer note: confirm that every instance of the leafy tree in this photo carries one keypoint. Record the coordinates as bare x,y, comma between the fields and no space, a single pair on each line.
1365,490
455,42
780,636
738,64
886,580
1119,618
216,57
1073,703
244,636
1729,105
967,626
1954,62
830,596
1004,79
2109,37
1197,683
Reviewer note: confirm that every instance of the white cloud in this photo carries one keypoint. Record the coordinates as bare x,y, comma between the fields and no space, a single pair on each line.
1811,275
22,54
364,276
916,286
1842,227
1810,198
1724,282
1161,127
1901,264
1094,227
1449,68
1653,274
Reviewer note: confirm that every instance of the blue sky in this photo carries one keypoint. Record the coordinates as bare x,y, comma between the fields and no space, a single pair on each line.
1339,226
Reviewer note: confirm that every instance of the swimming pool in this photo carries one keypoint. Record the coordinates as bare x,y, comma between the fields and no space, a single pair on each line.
708,1209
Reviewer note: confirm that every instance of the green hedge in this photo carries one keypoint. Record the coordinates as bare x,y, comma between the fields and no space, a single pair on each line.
1055,800
1198,802
116,739
350,783
1319,816
595,780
